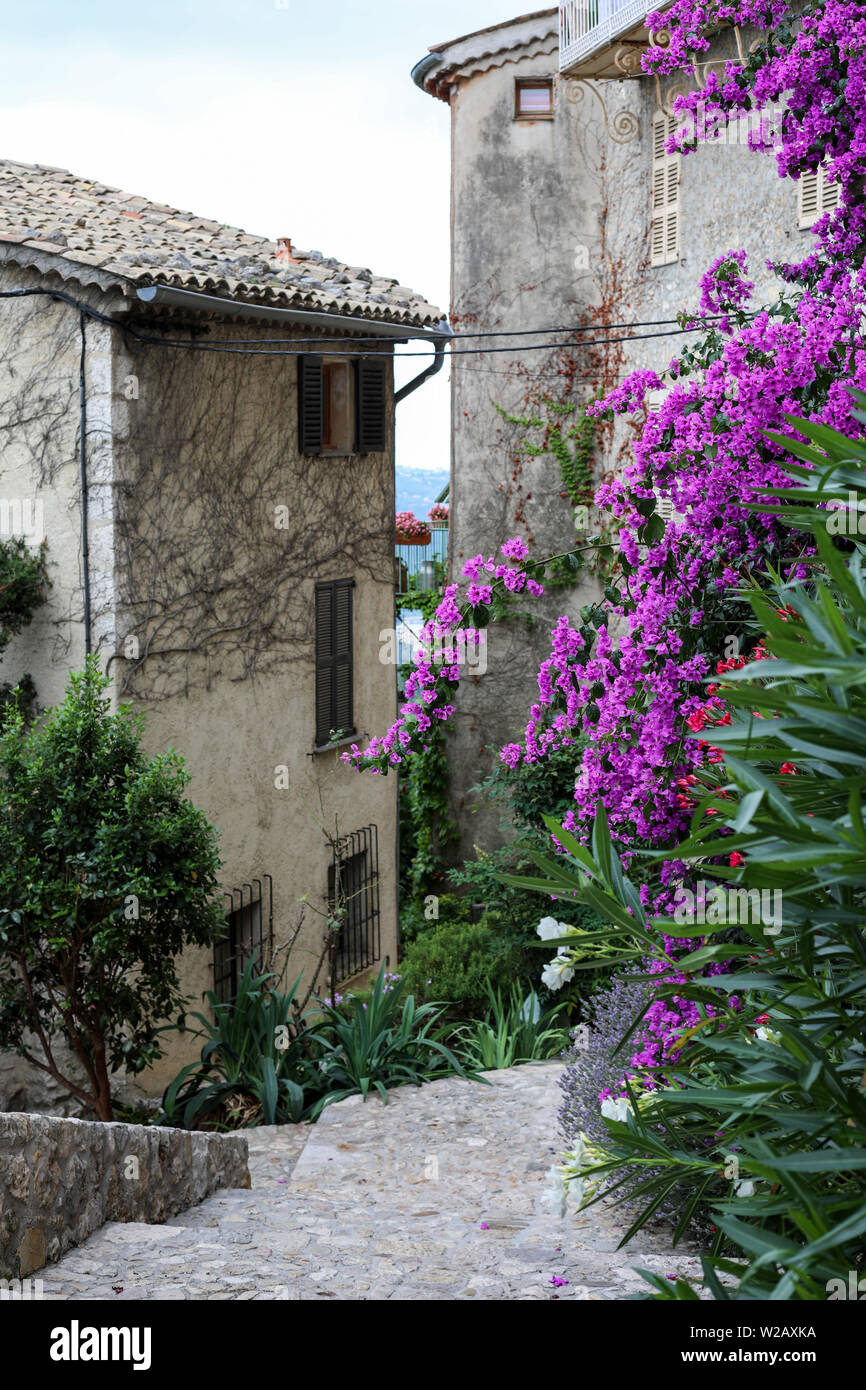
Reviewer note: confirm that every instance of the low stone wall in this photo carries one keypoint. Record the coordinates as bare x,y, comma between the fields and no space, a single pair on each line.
60,1180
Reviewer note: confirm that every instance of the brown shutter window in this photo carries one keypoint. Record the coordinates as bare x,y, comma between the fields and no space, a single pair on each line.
334,674
311,403
371,400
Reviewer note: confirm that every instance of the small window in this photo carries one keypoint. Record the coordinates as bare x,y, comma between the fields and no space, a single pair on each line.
815,196
342,405
334,671
353,895
533,99
665,223
249,932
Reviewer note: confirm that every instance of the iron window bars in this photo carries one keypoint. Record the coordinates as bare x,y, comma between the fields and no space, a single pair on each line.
248,932
353,895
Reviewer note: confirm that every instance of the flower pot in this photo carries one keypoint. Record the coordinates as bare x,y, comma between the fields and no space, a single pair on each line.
413,540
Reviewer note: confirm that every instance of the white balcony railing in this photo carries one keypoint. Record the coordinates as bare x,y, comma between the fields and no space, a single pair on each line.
586,25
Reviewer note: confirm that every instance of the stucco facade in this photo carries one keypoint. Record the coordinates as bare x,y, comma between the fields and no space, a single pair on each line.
209,531
525,195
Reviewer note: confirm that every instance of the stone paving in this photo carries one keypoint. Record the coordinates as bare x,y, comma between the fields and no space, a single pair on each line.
438,1195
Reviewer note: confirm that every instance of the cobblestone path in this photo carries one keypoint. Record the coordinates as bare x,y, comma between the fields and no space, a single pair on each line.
437,1195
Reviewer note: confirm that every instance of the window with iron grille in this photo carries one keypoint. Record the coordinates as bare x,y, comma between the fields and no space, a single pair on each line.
353,896
249,931
334,661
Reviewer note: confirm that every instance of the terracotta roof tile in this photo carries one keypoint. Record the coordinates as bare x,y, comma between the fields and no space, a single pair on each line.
144,243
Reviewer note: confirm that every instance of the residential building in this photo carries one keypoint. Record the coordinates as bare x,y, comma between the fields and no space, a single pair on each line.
203,422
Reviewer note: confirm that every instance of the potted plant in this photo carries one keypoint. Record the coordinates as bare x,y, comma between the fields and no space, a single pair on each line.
438,515
410,530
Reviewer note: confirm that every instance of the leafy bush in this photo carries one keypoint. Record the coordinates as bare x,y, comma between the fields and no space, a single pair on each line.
530,791
387,1041
264,1063
514,1030
456,960
252,1065
512,915
107,873
427,828
24,585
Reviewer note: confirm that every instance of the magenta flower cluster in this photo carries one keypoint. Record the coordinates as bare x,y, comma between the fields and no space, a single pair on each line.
633,695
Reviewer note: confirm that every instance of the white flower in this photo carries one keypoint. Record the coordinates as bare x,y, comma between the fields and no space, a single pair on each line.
767,1035
745,1188
555,1195
558,971
616,1109
549,929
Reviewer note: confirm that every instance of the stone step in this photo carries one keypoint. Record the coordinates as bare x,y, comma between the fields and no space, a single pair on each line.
437,1195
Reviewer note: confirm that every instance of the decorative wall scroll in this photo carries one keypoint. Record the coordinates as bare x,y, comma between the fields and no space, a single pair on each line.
624,126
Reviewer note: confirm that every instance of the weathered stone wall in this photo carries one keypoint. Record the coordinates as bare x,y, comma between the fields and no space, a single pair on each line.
63,1179
526,200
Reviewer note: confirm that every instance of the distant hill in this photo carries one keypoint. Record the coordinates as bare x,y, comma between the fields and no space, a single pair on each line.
418,488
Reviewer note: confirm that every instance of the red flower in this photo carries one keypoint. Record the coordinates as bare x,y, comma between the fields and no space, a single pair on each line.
736,859
789,769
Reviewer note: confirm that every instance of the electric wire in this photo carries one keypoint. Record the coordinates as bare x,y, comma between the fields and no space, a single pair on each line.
230,348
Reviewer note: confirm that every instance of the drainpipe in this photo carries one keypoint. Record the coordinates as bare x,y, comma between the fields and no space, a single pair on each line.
82,460
443,336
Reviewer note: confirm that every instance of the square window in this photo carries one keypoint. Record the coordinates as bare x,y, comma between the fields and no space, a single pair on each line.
533,99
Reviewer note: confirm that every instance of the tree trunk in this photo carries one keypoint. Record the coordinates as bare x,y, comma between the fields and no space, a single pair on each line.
102,1106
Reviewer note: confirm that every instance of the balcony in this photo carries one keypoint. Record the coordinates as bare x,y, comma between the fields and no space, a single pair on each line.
604,38
417,566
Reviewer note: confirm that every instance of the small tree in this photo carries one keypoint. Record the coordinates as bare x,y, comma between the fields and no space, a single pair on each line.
107,873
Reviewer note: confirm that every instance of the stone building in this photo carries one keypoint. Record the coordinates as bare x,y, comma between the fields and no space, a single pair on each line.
566,213
218,504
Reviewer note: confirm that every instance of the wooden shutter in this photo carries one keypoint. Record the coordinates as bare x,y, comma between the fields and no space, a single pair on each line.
311,403
371,401
665,225
816,195
334,674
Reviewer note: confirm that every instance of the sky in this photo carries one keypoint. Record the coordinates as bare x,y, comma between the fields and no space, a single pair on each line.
279,116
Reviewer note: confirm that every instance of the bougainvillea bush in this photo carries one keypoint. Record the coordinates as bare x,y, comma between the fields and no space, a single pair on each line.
633,684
